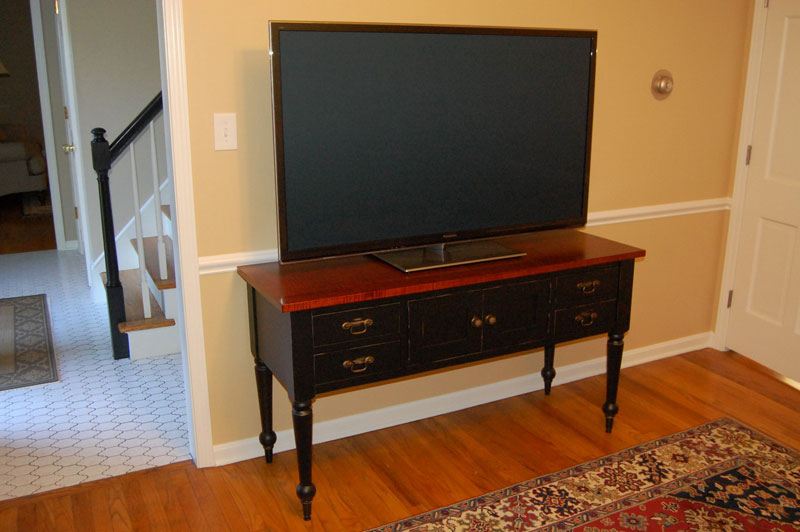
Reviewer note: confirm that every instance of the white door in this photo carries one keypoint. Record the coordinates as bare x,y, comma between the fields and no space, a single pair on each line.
73,146
765,313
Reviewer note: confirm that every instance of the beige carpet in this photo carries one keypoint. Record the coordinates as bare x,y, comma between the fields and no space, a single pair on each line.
26,342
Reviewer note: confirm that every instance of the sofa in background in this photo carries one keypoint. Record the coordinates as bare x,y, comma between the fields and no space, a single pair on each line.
22,164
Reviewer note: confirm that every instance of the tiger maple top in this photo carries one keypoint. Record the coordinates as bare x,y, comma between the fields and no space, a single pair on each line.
337,281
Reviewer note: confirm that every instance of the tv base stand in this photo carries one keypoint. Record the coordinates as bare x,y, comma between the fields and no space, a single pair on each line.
446,255
330,325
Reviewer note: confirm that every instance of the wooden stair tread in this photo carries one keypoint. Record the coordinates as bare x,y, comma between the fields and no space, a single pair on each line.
134,310
150,244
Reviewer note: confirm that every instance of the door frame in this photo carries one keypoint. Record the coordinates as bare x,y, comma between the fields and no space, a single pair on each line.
187,266
757,34
47,125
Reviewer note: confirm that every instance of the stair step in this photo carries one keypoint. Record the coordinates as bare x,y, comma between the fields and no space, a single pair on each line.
167,211
150,244
134,310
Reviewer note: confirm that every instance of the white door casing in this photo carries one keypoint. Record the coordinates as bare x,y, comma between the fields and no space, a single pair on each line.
764,322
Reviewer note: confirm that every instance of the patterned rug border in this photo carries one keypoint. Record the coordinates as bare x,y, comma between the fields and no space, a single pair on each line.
569,522
50,344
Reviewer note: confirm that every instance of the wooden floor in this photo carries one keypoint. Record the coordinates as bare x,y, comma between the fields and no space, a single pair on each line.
20,233
383,476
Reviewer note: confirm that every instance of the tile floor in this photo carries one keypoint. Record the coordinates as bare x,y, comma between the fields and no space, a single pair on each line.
103,417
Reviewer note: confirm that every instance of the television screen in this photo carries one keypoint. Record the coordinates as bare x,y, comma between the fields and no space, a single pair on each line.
395,136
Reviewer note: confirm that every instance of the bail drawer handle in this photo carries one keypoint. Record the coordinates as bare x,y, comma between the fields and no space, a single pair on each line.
358,365
357,326
586,318
588,287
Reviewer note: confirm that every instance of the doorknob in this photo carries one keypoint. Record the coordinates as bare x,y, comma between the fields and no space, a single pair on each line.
66,148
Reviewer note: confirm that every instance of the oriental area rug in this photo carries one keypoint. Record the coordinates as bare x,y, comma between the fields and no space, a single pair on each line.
717,477
26,342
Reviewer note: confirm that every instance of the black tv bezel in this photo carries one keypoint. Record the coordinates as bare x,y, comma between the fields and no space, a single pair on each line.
286,255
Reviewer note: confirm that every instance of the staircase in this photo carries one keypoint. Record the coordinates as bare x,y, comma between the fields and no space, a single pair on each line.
156,335
142,298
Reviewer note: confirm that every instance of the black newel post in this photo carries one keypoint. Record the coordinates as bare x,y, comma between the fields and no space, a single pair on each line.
101,161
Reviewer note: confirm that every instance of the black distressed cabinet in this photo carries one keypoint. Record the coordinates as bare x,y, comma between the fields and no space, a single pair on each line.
331,325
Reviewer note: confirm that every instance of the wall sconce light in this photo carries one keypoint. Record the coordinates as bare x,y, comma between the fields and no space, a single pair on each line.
662,84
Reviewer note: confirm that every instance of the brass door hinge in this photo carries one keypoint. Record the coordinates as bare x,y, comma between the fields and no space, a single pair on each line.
749,153
76,213
730,298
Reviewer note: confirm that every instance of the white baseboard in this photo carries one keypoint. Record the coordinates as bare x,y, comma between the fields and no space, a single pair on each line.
227,453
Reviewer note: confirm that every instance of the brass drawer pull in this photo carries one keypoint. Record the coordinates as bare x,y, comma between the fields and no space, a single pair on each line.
586,318
490,319
358,365
476,322
588,287
357,326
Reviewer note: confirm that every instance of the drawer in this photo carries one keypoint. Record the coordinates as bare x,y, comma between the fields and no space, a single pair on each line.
360,324
585,320
357,363
594,285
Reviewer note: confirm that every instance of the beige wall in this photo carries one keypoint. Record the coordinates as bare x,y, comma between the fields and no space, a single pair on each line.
645,152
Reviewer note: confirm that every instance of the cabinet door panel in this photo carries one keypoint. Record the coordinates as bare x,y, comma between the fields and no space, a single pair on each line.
515,314
442,327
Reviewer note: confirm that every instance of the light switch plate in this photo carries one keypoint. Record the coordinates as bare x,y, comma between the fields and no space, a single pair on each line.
225,137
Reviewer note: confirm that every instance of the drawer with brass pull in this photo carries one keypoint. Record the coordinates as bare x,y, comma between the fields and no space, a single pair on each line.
584,320
594,285
351,365
360,324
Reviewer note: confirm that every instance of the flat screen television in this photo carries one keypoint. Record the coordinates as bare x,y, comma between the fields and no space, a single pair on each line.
390,137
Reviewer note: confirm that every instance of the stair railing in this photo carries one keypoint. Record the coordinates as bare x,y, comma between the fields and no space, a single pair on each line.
103,158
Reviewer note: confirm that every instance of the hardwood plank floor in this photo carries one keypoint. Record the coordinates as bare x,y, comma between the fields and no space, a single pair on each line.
20,233
383,476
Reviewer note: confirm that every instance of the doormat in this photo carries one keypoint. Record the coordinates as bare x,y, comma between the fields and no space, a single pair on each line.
720,476
26,342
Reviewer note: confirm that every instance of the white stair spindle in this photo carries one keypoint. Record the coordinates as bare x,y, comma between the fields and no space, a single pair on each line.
162,247
139,243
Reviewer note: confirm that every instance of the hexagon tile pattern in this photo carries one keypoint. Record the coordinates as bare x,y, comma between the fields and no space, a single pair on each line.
103,417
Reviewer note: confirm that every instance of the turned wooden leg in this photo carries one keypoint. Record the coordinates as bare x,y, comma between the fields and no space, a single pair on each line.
613,362
264,385
302,419
548,372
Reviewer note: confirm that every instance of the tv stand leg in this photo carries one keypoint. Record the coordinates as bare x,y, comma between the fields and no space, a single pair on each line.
613,362
302,420
264,386
548,372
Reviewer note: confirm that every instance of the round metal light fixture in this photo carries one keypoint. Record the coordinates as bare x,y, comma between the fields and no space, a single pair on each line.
662,84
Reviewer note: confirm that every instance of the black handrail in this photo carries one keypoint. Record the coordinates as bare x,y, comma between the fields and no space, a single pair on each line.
138,124
103,156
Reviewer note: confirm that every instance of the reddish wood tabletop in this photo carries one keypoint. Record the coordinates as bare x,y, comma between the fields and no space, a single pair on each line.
322,283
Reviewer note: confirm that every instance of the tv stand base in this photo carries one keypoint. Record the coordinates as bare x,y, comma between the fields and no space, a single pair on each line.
444,255
324,326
